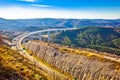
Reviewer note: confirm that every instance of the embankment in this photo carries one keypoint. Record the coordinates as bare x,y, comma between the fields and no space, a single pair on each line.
80,64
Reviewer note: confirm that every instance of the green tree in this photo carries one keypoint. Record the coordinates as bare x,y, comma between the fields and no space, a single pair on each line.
66,41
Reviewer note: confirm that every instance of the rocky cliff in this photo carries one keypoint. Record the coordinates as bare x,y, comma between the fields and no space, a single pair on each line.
80,64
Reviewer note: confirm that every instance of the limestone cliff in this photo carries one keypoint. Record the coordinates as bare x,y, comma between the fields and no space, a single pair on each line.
80,66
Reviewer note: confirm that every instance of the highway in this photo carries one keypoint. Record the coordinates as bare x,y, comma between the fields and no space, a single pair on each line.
17,42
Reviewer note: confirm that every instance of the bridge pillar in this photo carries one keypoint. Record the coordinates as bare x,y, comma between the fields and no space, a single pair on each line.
48,36
61,31
64,30
56,32
31,38
24,40
39,35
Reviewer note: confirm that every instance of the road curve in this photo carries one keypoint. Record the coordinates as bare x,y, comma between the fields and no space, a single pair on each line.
18,40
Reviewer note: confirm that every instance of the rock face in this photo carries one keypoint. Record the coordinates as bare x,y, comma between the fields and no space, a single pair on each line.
79,66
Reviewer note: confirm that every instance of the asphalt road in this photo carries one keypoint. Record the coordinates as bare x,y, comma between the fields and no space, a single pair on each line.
16,43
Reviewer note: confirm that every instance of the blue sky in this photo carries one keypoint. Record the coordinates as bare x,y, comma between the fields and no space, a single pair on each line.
21,9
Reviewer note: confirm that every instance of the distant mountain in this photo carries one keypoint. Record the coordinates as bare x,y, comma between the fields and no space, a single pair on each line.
99,38
10,24
18,24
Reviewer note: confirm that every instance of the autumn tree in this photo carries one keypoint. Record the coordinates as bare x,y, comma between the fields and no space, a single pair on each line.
0,39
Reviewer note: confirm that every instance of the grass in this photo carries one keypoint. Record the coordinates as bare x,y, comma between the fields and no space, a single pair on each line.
47,64
14,66
80,63
85,52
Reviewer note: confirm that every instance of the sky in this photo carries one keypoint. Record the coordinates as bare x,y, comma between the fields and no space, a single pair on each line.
78,9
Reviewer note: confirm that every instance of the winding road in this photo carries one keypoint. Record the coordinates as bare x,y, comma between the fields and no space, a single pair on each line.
17,44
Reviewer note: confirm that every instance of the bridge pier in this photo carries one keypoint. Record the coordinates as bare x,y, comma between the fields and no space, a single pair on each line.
24,40
39,36
48,36
56,32
64,30
31,38
61,31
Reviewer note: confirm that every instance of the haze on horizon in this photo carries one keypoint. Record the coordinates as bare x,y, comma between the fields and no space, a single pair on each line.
80,9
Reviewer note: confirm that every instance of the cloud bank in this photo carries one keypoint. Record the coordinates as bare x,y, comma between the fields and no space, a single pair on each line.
29,0
24,13
40,5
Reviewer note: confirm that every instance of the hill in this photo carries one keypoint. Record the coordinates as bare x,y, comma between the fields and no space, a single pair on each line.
13,66
79,63
99,38
21,24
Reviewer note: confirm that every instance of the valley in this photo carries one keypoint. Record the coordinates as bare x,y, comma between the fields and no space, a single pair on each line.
86,53
59,39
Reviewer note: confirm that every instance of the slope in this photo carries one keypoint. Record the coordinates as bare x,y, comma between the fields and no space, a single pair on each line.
99,38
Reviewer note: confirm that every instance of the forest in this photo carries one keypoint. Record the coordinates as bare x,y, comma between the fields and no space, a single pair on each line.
103,39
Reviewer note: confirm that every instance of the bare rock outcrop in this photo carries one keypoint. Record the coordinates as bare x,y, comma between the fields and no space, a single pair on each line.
79,66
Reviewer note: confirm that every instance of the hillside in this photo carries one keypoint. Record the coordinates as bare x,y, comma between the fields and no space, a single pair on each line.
24,24
79,63
99,38
13,66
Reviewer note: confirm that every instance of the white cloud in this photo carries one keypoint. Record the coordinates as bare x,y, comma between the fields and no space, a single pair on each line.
39,5
23,13
29,0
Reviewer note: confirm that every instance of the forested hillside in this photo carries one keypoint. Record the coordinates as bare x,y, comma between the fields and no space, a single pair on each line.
99,38
26,24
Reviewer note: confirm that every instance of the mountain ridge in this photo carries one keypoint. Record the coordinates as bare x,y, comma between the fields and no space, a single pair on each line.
98,38
17,24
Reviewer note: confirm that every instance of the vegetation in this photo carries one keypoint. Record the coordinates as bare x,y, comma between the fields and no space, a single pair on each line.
66,41
13,66
81,64
99,38
35,28
28,24
0,39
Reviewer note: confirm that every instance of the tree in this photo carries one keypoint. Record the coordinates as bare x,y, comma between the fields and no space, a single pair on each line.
66,41
0,39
